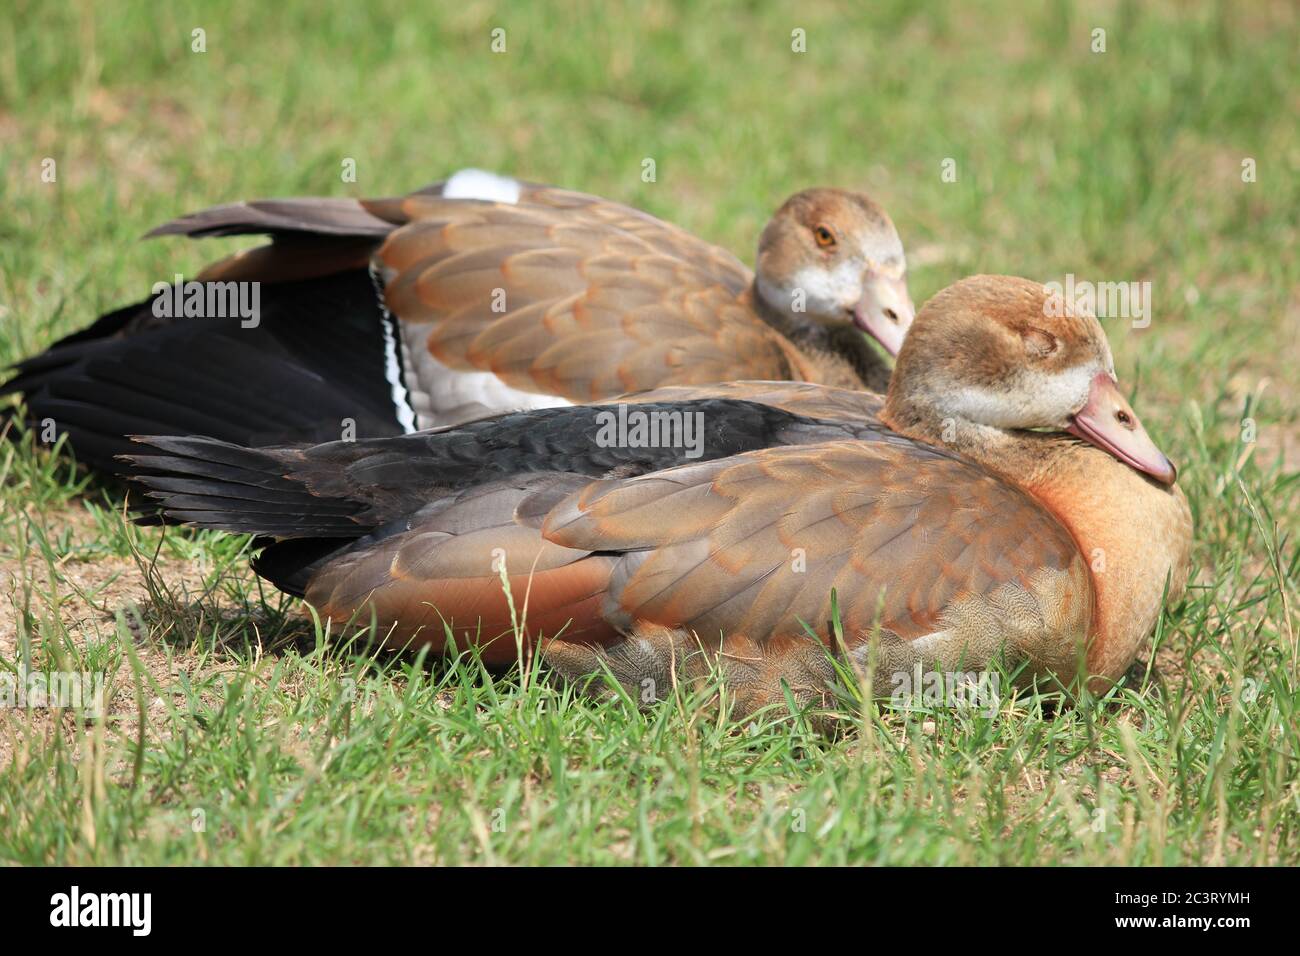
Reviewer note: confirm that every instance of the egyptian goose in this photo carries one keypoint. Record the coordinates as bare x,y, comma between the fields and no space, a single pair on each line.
474,296
1005,500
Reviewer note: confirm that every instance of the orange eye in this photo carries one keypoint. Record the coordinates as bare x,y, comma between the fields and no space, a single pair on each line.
825,238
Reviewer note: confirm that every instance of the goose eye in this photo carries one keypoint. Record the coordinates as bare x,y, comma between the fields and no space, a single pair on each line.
825,238
1038,343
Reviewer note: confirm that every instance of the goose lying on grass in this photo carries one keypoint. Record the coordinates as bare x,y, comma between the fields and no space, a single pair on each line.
472,297
961,521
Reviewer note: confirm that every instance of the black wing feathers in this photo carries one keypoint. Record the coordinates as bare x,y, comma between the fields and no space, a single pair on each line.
313,366
343,489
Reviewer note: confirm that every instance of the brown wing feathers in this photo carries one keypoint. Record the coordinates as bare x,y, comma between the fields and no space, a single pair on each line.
586,305
596,299
754,544
317,217
748,541
368,495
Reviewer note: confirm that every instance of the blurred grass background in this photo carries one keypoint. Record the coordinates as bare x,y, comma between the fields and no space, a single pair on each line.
1117,166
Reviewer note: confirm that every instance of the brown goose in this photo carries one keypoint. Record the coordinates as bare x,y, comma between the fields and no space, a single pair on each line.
477,295
963,519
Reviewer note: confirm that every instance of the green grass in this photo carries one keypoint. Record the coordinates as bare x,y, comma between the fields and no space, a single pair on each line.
231,709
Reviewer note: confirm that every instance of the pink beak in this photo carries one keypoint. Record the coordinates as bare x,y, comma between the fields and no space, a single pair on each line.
885,311
1108,422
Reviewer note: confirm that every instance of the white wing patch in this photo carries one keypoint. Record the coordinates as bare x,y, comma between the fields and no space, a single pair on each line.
401,403
480,184
392,367
446,396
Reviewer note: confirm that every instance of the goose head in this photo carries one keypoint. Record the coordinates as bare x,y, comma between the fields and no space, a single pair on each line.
998,354
833,257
